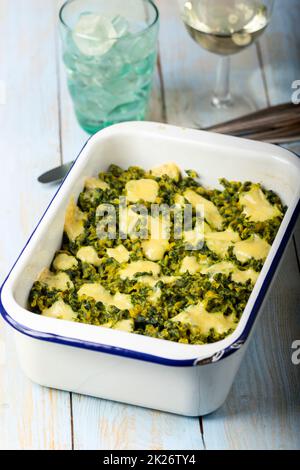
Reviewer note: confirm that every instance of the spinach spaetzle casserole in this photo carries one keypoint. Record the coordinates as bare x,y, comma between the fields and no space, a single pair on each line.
125,263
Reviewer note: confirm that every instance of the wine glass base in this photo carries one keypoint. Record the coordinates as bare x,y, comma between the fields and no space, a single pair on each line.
211,111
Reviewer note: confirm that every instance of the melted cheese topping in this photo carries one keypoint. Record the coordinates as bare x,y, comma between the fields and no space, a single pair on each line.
121,301
60,310
219,242
211,213
179,200
108,324
168,279
194,237
243,276
139,267
155,248
119,253
128,220
95,183
62,262
199,319
100,294
59,281
88,254
74,221
224,267
142,190
152,281
169,169
189,264
155,296
148,280
227,268
159,227
255,247
256,205
124,325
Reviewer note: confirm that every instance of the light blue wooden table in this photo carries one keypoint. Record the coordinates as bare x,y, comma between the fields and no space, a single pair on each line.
38,131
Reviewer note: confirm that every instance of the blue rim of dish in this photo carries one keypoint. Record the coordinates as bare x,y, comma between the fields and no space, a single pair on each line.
128,353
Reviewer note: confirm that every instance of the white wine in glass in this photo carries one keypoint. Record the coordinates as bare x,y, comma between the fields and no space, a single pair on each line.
226,27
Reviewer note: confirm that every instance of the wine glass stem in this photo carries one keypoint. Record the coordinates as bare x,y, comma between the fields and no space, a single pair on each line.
221,97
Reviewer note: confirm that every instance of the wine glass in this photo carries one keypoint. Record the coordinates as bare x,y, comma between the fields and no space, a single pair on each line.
225,27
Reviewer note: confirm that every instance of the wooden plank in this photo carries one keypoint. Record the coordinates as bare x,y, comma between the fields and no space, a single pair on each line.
281,64
101,424
31,417
280,51
262,411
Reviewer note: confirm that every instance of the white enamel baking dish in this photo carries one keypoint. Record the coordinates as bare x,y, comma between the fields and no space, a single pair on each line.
186,379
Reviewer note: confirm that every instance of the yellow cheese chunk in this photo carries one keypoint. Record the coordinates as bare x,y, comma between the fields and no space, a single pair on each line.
189,264
108,324
219,242
119,253
60,310
242,277
179,200
96,291
224,267
152,281
128,220
124,325
255,247
227,268
159,227
139,267
169,169
121,301
74,221
59,281
88,254
211,213
62,262
95,183
100,294
203,321
154,250
155,296
148,280
194,237
168,279
207,229
256,205
142,190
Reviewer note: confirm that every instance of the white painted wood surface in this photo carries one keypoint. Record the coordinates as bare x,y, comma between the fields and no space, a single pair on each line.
30,417
38,130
